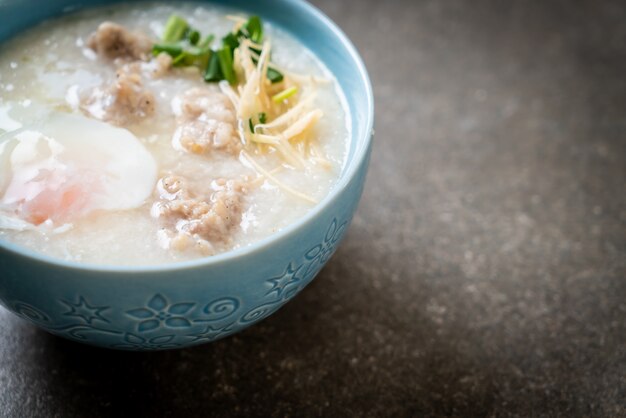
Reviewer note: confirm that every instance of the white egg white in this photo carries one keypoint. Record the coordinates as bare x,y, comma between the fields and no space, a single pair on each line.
64,166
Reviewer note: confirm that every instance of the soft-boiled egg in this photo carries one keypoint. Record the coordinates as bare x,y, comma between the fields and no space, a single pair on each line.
66,166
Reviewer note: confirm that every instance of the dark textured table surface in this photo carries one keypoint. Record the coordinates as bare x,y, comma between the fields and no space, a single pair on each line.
485,271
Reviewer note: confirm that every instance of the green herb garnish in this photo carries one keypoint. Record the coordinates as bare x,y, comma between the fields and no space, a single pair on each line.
193,56
175,29
206,42
171,49
179,61
231,40
274,76
193,36
213,71
262,119
253,29
284,95
187,48
226,64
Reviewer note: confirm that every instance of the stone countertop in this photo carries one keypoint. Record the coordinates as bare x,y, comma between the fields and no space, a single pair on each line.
485,271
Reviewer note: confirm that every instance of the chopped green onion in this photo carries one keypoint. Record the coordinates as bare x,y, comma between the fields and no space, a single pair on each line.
193,50
194,37
226,64
196,51
262,119
285,94
253,29
193,56
206,41
175,29
274,76
179,60
213,71
231,41
171,49
203,61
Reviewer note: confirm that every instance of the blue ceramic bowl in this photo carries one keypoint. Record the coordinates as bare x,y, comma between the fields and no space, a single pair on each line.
184,304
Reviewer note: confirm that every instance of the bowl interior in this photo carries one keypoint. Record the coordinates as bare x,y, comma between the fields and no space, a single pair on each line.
301,20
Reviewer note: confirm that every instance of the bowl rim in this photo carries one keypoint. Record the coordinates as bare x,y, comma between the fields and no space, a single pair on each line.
351,168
